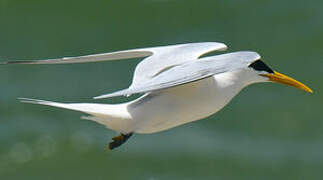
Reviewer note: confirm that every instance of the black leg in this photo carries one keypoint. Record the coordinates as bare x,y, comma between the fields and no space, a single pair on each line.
118,141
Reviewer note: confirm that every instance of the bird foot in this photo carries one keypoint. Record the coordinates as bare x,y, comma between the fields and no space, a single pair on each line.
118,141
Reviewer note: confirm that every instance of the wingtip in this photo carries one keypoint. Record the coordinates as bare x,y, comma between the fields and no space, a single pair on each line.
21,62
109,95
224,47
26,100
30,100
21,99
219,45
100,97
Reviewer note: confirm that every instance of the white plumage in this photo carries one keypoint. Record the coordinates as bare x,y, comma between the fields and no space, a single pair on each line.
178,86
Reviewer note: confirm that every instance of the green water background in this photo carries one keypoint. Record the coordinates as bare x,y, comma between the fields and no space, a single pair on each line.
268,131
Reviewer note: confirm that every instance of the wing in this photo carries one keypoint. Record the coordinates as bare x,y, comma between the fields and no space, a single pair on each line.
166,57
135,53
160,58
191,71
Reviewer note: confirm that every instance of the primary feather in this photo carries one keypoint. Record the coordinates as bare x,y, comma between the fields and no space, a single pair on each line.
157,58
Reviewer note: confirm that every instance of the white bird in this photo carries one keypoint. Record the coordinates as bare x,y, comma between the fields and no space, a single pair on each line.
178,86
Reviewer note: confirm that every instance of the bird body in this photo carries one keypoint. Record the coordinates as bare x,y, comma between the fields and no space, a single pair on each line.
178,86
165,109
183,104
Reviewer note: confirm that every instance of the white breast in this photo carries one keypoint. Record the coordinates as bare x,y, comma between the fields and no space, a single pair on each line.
179,105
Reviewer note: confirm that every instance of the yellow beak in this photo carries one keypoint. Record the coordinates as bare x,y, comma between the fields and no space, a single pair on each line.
283,79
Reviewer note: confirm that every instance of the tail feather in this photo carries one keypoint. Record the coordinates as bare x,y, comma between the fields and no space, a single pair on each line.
47,103
37,101
101,113
89,108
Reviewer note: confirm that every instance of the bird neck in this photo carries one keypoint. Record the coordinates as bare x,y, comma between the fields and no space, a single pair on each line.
231,83
238,79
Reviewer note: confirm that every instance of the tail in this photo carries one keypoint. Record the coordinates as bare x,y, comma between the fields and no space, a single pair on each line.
100,113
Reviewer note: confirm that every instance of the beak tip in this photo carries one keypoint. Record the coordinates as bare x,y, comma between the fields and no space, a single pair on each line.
307,89
283,79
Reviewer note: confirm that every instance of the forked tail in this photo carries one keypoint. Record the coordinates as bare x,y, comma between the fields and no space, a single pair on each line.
105,114
112,116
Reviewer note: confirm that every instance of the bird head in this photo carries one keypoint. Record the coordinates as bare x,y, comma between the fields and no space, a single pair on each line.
272,76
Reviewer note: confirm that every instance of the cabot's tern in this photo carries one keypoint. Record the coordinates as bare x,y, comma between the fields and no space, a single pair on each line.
178,86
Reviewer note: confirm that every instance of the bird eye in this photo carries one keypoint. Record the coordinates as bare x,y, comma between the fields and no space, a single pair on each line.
260,66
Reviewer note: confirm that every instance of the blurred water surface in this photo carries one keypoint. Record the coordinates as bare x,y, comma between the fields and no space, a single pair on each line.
268,131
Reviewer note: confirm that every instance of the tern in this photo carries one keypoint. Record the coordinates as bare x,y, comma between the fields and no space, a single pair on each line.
177,84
